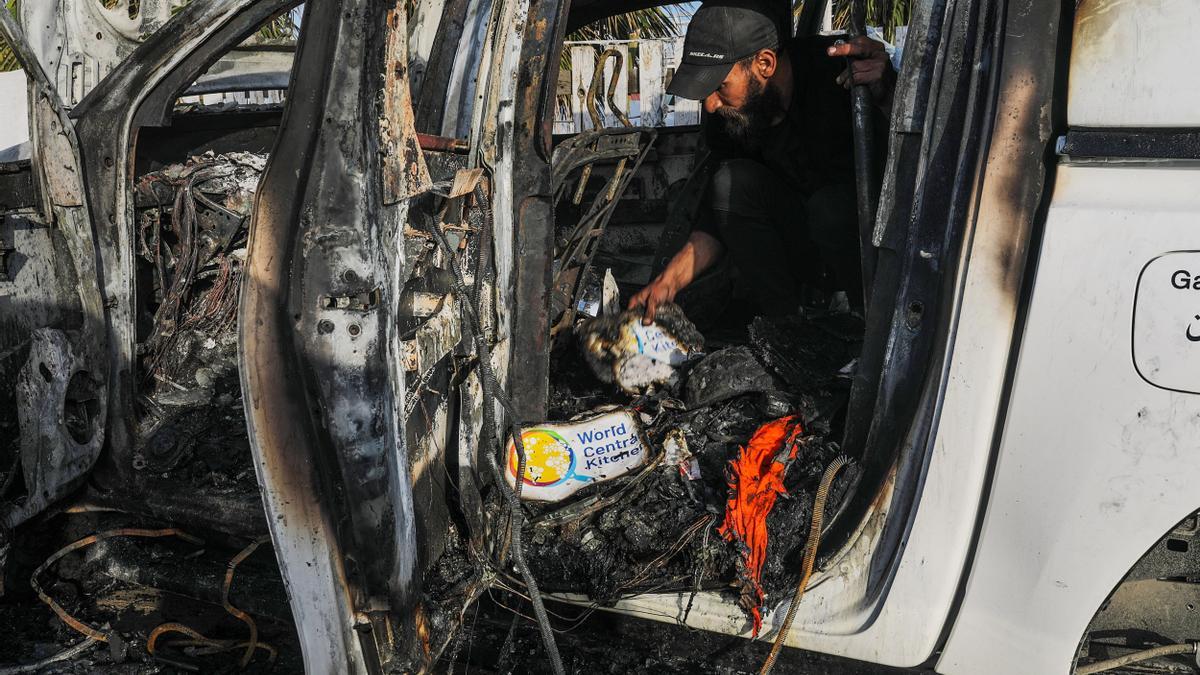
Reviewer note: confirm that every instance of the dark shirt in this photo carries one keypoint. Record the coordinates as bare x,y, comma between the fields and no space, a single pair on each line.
813,146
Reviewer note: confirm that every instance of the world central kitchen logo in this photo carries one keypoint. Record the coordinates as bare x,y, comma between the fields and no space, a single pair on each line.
553,458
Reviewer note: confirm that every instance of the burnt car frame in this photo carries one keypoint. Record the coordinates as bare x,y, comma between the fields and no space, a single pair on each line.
377,391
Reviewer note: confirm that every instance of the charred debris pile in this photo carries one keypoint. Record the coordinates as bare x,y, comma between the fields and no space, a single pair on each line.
98,586
669,467
193,221
99,591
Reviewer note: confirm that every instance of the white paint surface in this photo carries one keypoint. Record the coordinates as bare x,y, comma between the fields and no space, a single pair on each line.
650,83
1095,463
14,109
583,67
1131,64
685,111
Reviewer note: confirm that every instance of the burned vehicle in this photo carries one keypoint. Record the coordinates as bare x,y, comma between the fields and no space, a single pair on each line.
356,299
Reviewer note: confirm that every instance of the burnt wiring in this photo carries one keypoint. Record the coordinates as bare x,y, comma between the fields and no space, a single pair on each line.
196,639
245,618
62,613
175,627
209,645
626,589
492,390
1138,657
591,505
193,254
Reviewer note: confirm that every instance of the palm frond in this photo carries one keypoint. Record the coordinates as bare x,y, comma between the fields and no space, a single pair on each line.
654,22
888,14
8,60
646,24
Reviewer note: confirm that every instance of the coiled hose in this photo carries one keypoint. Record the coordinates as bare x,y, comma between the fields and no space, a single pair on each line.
810,557
492,390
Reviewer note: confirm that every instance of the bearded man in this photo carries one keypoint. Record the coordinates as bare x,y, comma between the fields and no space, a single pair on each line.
781,200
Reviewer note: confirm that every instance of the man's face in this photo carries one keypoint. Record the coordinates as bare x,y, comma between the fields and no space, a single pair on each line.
735,90
746,103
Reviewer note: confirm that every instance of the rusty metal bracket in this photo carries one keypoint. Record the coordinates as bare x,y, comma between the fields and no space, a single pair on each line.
404,171
598,81
594,113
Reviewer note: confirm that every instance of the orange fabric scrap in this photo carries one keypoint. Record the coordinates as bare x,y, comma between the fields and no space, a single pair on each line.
755,481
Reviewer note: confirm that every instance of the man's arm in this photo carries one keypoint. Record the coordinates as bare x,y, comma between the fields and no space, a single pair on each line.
698,254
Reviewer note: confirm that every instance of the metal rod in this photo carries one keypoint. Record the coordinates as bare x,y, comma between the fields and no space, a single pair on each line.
861,110
443,144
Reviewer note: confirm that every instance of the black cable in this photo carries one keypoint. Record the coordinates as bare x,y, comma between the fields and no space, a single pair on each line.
492,390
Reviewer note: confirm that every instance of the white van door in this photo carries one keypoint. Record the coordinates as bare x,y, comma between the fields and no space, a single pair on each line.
1097,455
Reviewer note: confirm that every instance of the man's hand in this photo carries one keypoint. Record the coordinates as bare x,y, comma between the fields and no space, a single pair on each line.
869,64
659,291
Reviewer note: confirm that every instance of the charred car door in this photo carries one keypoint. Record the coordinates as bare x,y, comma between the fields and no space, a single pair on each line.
53,340
363,403
372,307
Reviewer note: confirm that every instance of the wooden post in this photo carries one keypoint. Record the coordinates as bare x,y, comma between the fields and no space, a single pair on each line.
583,65
650,83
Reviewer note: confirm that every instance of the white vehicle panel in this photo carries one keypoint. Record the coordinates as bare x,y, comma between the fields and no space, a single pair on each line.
1095,463
1124,56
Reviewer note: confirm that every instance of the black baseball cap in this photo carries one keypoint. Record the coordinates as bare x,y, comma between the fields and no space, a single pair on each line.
721,33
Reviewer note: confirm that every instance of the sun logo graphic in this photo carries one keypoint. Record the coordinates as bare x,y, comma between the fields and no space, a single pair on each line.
549,459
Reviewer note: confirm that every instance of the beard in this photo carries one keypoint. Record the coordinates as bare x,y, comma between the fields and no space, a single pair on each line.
746,128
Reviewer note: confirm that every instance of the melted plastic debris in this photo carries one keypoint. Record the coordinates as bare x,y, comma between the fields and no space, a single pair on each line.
807,353
600,295
755,481
727,373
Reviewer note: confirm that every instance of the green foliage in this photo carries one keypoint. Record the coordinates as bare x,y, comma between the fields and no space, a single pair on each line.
8,60
654,22
280,29
886,13
648,24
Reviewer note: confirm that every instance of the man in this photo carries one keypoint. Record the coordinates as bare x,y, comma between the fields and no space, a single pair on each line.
778,123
